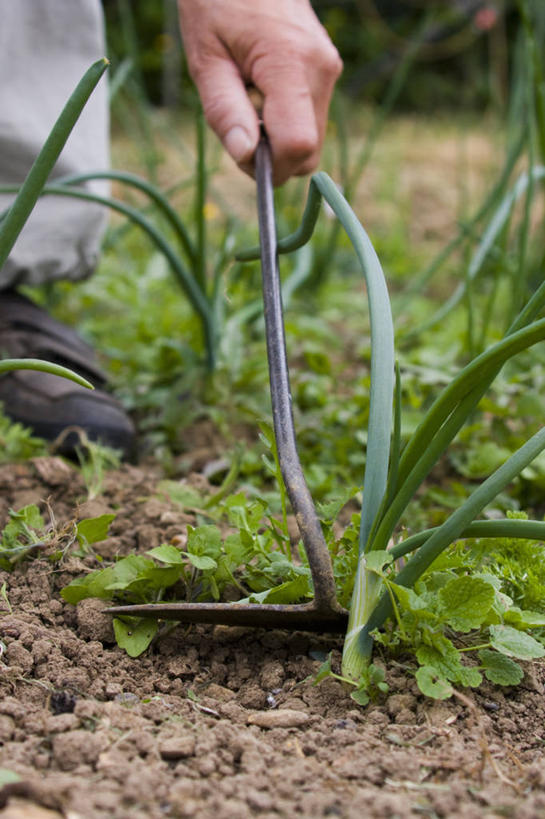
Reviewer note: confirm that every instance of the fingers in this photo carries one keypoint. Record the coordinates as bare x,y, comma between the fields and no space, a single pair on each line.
280,48
228,109
295,112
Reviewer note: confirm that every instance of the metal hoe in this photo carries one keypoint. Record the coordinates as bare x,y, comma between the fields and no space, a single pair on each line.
323,614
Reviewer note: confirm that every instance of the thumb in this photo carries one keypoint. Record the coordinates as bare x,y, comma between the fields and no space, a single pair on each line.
228,110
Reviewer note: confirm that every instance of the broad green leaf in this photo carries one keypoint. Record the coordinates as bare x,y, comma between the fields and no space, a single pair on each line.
202,562
289,592
166,554
442,656
360,696
524,619
409,599
181,494
469,677
153,579
128,569
95,584
465,602
432,684
29,515
500,669
135,634
204,540
515,643
376,561
238,547
93,530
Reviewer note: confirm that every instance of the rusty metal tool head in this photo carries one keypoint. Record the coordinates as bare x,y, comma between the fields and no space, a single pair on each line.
324,612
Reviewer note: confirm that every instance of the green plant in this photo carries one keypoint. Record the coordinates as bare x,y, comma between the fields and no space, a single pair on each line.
26,534
17,442
186,257
13,220
250,562
392,476
500,244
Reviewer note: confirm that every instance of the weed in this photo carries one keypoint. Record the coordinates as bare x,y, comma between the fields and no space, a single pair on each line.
17,442
26,534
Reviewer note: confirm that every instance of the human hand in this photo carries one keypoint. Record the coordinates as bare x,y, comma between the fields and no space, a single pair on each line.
282,49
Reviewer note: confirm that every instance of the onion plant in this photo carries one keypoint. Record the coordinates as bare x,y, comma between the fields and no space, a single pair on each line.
497,239
393,474
15,217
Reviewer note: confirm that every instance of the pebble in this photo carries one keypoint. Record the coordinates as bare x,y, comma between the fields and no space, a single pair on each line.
179,747
283,718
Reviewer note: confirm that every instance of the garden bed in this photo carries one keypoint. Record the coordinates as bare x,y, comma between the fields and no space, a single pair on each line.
219,722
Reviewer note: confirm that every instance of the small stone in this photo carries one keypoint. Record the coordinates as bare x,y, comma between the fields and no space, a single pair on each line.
400,702
377,717
76,748
112,690
283,718
23,809
178,747
405,717
60,723
18,655
259,800
54,471
220,692
7,728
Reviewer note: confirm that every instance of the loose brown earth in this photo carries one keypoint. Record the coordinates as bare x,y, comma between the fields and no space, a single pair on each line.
217,722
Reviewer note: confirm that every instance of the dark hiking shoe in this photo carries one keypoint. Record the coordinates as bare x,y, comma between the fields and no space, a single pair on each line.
50,404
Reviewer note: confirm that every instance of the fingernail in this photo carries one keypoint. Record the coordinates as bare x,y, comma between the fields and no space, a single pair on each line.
238,143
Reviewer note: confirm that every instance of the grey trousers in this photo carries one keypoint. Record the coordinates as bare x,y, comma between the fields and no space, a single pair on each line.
45,48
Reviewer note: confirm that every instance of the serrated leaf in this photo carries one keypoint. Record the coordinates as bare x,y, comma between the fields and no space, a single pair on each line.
465,602
93,530
442,656
515,643
202,562
409,599
166,554
135,634
469,677
500,669
432,684
328,511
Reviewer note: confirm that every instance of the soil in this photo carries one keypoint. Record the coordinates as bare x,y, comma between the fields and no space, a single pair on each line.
224,722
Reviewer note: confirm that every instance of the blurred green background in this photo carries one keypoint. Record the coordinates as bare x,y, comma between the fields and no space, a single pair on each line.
462,59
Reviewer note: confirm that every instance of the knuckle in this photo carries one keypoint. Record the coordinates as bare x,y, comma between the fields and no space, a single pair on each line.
302,147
